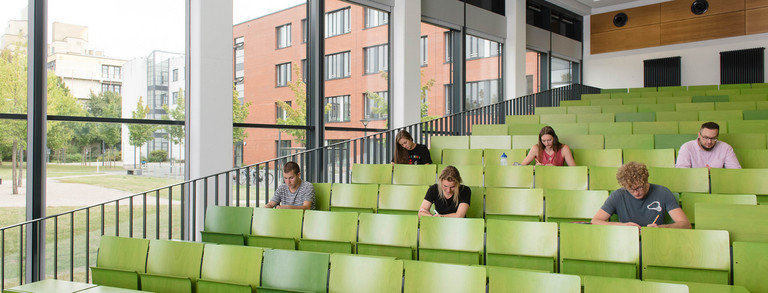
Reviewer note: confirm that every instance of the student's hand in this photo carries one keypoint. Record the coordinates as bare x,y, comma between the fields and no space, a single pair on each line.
652,225
633,224
278,207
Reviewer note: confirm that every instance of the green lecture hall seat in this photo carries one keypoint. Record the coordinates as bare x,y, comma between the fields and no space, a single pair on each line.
524,141
701,256
493,156
401,199
658,127
495,141
372,173
749,269
489,129
740,181
744,105
642,89
674,100
629,141
509,176
514,204
603,178
119,262
680,179
752,158
605,102
601,96
561,177
625,95
610,128
275,228
595,284
721,115
226,225
512,280
571,128
322,196
751,97
451,240
599,250
616,109
671,141
352,273
695,107
756,114
361,198
436,146
671,88
706,87
761,105
710,99
677,116
329,231
558,118
522,245
743,222
640,101
745,140
228,268
574,103
614,90
282,268
690,93
521,119
664,158
549,110
689,200
693,127
635,116
748,126
592,157
737,86
669,107
172,266
414,174
595,117
476,207
582,109
388,235
725,91
472,175
524,129
564,206
423,276
583,141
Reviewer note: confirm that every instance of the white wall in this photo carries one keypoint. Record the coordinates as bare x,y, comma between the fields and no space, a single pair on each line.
700,62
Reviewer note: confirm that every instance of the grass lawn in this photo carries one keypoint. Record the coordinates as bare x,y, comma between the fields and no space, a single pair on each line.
57,170
133,184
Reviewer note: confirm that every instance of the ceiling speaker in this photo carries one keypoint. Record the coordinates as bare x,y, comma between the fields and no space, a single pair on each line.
699,7
620,19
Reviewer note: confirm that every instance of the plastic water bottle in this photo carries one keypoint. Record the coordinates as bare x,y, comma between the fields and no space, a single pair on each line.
503,161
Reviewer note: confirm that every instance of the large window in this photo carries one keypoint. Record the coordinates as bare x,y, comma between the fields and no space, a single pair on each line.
481,48
447,44
110,71
337,22
283,36
436,43
483,72
482,93
564,72
283,74
337,65
424,50
108,87
374,18
376,59
535,76
240,67
339,109
376,105
281,113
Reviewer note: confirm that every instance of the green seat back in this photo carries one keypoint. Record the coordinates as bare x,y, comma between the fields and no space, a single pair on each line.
601,96
489,129
570,128
329,231
561,177
372,173
581,141
282,269
322,196
360,198
752,158
674,100
629,141
721,115
583,109
514,204
614,90
695,107
524,245
351,273
401,199
748,126
677,116
642,89
119,261
275,228
524,129
511,280
737,86
606,102
592,157
610,128
635,116
422,276
671,141
227,225
471,175
745,140
625,95
759,95
709,87
689,200
451,240
743,222
671,88
571,103
493,156
573,205
693,127
594,284
619,109
740,181
756,114
761,105
661,127
476,202
725,106
640,101
728,90
230,264
558,118
524,141
172,266
549,110
595,117
599,250
521,119
709,99
388,235
749,269
414,174
509,176
603,178
438,143
669,107
652,158
660,93
680,179
495,141
686,255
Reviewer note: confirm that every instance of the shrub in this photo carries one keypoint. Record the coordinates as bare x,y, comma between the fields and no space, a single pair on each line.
158,156
74,158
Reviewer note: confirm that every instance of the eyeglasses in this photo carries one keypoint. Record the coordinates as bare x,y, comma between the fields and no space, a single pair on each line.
712,139
636,189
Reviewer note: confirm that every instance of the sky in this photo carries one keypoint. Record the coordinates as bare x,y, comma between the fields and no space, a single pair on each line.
129,29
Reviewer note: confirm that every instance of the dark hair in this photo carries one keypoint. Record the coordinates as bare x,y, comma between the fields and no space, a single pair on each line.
556,145
711,125
291,167
401,154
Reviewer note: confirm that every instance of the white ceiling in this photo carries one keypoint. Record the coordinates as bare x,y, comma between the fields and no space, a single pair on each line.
588,7
603,3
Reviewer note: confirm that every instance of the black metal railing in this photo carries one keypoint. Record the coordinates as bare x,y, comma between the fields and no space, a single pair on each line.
73,237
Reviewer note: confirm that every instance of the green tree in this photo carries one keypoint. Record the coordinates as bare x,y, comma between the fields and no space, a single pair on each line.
61,102
176,132
381,105
239,113
139,134
106,104
13,99
296,115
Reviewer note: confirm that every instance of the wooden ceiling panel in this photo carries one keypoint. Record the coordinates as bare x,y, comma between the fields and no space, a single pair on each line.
636,17
681,9
626,39
757,21
750,4
703,28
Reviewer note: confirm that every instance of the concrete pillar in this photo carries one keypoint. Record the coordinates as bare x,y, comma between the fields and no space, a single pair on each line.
515,84
405,100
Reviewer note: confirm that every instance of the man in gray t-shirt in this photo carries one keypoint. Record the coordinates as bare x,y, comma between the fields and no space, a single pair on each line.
295,193
639,203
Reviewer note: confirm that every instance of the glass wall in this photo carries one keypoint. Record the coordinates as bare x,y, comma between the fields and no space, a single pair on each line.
483,72
564,72
535,77
436,71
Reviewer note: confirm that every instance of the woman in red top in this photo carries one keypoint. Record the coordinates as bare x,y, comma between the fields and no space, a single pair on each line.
549,151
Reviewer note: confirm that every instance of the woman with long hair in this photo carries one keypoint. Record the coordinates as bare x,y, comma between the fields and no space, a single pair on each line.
409,152
549,151
450,197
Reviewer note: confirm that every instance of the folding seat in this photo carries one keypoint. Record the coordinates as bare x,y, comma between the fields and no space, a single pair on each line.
571,103
401,199
756,114
651,158
282,269
582,141
752,158
388,235
671,141
436,146
604,158
750,97
743,222
756,141
560,177
322,196
571,128
549,110
710,99
275,228
595,117
451,240
509,176
661,127
721,115
228,268
414,174
642,89
119,262
671,88
640,101
476,209
514,204
691,93
675,100
601,96
760,85
693,127
614,90
583,109
558,118
736,86
226,225
372,173
748,126
484,142
472,175
726,92
172,266
422,276
329,231
740,181
629,141
599,250
351,273
493,156
605,102
666,93
524,129
701,256
610,128
695,107
625,95
521,119
522,245
728,106
603,178
663,107
594,284
524,141
635,116
753,90
619,109
689,200
749,269
564,206
680,179
761,105
709,87
677,116
511,280
489,129
361,198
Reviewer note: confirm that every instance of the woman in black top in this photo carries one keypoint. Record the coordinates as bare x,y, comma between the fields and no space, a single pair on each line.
450,197
409,152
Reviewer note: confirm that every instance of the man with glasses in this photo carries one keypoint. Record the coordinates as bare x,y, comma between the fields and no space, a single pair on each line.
706,151
639,203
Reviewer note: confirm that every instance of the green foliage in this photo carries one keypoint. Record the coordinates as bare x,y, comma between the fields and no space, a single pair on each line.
239,113
61,102
74,158
158,156
381,105
139,134
296,115
176,132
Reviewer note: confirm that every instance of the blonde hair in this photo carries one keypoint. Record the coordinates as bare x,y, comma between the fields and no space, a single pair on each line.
632,174
450,174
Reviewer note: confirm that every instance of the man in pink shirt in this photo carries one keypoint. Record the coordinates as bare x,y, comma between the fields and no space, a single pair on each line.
706,151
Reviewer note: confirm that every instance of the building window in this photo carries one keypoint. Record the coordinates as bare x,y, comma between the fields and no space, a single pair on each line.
481,48
337,65
283,147
376,58
376,104
339,110
111,72
240,67
281,113
304,32
304,70
424,50
52,65
337,22
482,93
448,47
448,99
108,87
283,74
240,88
374,18
175,75
164,99
175,98
283,36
